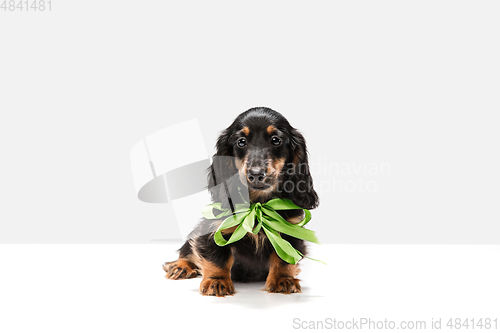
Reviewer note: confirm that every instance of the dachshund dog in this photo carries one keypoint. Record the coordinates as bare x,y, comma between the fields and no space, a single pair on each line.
268,158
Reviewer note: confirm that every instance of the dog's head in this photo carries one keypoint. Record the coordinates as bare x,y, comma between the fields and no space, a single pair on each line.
270,157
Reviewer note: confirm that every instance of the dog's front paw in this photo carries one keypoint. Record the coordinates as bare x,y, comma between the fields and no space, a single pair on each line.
219,287
180,269
284,285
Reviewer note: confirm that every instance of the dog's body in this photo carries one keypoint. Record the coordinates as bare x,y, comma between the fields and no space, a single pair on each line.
269,158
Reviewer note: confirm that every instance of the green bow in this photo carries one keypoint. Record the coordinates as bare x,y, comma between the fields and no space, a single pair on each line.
267,219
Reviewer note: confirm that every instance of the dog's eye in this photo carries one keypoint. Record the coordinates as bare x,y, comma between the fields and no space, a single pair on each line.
242,142
275,141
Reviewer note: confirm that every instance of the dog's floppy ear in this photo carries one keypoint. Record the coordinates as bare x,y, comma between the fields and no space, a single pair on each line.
304,194
222,145
223,174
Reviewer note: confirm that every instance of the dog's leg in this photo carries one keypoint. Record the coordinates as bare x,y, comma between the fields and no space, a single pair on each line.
216,262
184,267
216,279
281,278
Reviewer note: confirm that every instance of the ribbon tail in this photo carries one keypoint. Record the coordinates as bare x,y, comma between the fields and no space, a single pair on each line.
208,211
238,234
283,248
257,228
249,221
307,218
281,204
280,224
321,261
286,204
259,222
231,221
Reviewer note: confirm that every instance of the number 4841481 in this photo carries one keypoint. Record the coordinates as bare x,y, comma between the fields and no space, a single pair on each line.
486,323
26,5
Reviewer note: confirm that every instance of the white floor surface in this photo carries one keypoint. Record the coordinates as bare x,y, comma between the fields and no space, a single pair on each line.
122,288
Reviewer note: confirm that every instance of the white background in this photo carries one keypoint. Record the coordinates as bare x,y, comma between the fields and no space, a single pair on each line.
410,84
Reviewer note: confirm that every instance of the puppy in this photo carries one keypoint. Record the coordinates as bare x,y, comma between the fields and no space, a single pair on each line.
265,156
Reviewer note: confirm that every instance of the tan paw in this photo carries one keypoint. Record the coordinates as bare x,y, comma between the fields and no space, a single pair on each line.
180,269
283,285
219,287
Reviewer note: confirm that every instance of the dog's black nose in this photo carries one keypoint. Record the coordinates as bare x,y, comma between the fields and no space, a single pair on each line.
256,175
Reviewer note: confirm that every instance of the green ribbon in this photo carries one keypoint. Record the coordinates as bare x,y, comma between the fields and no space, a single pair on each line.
245,216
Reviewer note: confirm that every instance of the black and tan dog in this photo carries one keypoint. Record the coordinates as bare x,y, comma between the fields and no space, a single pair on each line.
270,158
